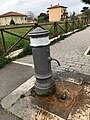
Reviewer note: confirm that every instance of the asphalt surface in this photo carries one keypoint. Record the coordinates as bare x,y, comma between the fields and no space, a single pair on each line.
4,115
11,77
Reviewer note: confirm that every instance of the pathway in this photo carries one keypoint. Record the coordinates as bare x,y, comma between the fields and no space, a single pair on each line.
70,52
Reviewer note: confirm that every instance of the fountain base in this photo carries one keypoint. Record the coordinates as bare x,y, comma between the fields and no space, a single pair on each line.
61,102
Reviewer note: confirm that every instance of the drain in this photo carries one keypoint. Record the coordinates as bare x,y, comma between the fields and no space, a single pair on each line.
22,96
63,96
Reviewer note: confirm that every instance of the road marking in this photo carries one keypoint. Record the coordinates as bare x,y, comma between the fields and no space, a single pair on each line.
86,52
26,64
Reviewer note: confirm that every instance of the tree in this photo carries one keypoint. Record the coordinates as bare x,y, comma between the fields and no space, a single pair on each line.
12,22
87,13
43,17
73,15
86,1
84,9
30,16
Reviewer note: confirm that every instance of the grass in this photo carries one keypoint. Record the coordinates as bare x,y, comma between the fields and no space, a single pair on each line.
10,26
11,39
4,60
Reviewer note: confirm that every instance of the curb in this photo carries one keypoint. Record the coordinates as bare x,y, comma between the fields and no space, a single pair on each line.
10,99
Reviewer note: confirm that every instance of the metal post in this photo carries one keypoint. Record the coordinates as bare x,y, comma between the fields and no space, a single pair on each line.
78,23
66,25
55,29
1,47
44,84
73,25
87,21
3,40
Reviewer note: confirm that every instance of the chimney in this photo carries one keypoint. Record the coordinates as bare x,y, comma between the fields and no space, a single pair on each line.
51,5
58,4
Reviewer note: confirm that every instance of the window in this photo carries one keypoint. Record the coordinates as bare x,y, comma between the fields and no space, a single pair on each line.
61,11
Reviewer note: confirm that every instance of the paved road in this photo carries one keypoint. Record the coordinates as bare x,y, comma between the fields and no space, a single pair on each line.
11,77
4,115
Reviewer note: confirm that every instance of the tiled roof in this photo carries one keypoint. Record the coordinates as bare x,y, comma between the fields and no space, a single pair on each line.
12,14
56,6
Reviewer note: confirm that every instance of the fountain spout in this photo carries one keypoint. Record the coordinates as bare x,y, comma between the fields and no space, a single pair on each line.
50,59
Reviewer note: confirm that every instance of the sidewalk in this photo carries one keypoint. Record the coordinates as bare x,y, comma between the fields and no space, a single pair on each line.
75,67
70,52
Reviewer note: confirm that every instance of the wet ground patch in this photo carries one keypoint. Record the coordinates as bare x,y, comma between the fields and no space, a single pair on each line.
60,103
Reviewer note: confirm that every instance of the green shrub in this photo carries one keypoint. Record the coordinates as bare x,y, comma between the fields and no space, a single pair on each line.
4,60
1,53
55,41
62,37
12,22
26,51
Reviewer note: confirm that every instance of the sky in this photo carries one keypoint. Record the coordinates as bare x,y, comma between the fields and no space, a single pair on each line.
38,6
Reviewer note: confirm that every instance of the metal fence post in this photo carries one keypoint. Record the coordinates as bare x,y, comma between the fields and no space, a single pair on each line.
1,47
82,22
86,21
66,25
73,25
3,41
55,29
36,25
78,23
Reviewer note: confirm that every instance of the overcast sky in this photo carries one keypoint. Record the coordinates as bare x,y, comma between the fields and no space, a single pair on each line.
38,6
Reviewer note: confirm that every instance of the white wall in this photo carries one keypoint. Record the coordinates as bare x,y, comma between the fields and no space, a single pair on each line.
17,20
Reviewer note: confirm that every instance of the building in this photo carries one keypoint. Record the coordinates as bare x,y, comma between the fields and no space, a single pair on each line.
12,17
57,13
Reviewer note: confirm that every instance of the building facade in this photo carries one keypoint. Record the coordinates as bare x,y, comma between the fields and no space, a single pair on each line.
57,13
17,18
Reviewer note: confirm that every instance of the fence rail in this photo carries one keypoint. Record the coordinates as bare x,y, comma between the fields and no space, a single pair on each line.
55,29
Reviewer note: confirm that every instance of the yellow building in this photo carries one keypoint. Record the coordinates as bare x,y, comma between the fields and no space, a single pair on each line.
56,13
18,18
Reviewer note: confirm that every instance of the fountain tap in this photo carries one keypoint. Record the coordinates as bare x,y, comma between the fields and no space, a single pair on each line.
50,59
